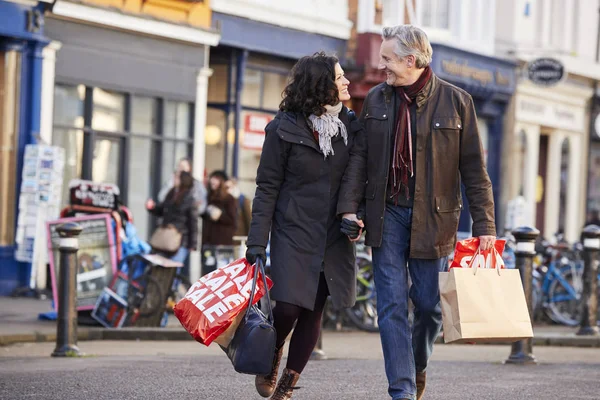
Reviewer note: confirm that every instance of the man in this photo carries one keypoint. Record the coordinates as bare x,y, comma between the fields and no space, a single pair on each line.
185,165
422,142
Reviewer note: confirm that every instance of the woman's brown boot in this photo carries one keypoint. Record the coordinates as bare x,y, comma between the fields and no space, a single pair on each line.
265,384
286,385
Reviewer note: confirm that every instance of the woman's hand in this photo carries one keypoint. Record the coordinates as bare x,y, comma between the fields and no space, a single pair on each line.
352,227
150,204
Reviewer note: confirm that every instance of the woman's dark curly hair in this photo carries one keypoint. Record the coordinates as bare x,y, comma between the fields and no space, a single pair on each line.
311,85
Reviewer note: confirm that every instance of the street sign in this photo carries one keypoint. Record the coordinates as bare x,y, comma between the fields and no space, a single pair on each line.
546,71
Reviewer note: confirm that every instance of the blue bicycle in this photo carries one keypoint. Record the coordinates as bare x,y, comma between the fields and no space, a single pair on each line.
557,280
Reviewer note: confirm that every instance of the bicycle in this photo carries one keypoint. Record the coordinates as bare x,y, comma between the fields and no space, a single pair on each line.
558,282
364,312
363,315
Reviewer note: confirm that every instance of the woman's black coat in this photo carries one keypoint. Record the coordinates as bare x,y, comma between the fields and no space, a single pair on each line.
297,203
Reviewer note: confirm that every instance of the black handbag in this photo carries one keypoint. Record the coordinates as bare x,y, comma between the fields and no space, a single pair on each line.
252,348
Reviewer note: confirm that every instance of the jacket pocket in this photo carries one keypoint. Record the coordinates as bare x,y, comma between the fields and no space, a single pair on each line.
454,123
376,113
447,204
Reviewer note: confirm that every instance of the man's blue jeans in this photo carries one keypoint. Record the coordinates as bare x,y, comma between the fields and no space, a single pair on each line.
405,350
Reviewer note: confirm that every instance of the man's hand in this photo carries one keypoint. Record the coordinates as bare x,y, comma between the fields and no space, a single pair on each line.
352,227
253,253
486,242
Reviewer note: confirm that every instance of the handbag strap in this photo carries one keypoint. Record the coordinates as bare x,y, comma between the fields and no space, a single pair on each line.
259,266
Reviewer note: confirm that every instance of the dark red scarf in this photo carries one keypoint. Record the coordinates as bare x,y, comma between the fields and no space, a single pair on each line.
402,155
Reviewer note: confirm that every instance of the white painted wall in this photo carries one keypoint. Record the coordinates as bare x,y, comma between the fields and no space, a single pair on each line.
329,18
471,23
565,29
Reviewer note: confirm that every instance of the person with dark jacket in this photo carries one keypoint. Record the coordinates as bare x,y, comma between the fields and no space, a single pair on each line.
423,142
180,210
221,212
303,163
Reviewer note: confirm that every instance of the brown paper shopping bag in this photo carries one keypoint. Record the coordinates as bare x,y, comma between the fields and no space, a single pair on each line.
486,305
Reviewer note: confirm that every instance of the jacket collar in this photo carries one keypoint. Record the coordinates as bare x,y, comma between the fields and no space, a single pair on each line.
422,97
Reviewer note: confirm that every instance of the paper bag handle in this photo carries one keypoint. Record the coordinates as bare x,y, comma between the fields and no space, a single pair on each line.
478,252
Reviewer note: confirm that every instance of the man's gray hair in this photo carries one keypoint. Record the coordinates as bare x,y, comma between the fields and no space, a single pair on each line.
410,40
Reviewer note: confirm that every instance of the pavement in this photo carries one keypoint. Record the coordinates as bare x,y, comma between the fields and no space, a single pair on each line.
353,371
132,364
19,323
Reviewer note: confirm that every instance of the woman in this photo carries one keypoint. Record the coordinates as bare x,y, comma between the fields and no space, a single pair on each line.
309,151
179,209
221,212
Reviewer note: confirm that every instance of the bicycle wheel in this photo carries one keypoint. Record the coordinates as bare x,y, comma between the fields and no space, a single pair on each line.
564,297
152,297
364,312
182,287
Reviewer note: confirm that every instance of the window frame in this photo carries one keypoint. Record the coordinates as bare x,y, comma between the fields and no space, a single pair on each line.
157,137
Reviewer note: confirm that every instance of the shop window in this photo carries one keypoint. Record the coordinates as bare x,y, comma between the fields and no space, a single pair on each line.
177,119
482,126
564,177
217,84
68,105
143,123
251,95
105,128
71,140
9,119
109,110
274,84
106,163
143,115
522,152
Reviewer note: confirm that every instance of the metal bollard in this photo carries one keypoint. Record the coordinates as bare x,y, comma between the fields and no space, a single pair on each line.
318,353
66,335
522,351
591,248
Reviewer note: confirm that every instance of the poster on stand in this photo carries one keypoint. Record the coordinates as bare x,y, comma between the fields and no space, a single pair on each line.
39,200
96,257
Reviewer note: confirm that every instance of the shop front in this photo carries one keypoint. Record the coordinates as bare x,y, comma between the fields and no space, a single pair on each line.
250,71
22,42
547,161
593,195
128,92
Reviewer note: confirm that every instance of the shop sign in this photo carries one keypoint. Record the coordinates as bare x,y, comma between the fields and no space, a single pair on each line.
96,257
93,194
551,114
254,131
478,74
546,71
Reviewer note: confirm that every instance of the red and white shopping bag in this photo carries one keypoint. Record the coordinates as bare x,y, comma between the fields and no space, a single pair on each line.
468,255
216,301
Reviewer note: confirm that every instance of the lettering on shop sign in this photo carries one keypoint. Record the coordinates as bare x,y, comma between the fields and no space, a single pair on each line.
546,71
254,131
88,193
550,114
208,293
481,75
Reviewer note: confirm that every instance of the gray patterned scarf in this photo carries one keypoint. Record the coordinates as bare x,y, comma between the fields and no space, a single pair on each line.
328,126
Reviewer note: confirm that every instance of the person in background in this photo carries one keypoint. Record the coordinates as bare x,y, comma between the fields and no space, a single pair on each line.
199,191
221,212
179,209
244,208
